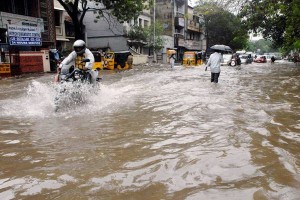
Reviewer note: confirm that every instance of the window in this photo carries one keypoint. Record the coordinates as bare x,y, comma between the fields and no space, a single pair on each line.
69,29
3,36
32,8
21,7
57,17
6,6
146,23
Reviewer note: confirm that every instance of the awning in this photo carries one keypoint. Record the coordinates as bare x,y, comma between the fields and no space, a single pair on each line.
192,48
137,42
62,39
58,6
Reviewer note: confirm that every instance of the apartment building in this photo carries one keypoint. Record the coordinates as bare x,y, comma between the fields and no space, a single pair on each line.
143,21
64,29
183,30
107,32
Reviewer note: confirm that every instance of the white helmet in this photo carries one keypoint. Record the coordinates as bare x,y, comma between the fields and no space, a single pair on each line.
79,46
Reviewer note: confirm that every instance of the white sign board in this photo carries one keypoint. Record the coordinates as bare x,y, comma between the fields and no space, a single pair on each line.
20,20
24,35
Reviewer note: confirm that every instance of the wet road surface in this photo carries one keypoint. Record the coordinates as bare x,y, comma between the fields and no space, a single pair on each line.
155,133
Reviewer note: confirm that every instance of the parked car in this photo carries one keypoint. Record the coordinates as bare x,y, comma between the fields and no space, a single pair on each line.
246,59
260,59
226,59
268,57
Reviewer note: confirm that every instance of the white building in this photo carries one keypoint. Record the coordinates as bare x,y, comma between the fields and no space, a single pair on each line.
64,28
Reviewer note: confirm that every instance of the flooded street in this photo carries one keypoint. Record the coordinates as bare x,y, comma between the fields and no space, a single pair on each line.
155,133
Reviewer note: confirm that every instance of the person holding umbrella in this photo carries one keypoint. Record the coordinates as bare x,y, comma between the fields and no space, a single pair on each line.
214,62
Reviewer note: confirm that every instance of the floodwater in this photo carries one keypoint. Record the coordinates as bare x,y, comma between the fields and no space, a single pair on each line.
155,133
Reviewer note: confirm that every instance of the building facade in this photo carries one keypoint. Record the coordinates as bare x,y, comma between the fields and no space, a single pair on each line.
27,32
64,29
143,21
183,30
106,32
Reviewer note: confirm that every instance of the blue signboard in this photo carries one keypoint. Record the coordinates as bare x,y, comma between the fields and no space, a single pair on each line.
24,35
27,41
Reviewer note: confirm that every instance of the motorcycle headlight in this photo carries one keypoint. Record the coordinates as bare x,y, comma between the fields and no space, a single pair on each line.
77,75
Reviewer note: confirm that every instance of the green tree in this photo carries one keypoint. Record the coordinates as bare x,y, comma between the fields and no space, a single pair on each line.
155,42
137,33
221,26
261,46
146,36
276,20
123,10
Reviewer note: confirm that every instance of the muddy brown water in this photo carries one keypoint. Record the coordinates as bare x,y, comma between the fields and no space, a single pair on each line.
155,133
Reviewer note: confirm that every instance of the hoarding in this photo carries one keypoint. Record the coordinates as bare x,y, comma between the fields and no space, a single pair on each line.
24,35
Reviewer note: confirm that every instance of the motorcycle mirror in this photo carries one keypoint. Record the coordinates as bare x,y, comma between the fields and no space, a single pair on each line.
85,60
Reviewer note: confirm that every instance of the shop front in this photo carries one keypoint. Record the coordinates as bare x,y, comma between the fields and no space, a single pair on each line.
21,45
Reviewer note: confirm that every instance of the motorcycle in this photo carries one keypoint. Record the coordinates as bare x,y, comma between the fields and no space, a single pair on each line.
74,86
235,61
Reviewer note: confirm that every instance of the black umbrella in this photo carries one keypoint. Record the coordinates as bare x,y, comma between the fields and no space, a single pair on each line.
221,47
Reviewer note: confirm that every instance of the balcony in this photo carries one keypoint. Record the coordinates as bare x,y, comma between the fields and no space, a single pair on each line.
179,35
194,26
179,22
190,44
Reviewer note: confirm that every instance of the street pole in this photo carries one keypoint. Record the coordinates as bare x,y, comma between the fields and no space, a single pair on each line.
154,53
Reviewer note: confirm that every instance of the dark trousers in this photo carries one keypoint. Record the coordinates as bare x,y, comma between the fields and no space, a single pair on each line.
214,77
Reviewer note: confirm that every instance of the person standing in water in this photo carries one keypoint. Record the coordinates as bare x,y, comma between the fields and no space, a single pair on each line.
214,62
172,60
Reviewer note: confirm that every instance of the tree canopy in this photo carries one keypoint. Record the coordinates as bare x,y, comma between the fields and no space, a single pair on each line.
123,10
146,35
275,20
261,46
232,6
221,26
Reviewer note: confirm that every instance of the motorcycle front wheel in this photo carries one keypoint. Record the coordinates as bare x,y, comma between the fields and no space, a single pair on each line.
233,63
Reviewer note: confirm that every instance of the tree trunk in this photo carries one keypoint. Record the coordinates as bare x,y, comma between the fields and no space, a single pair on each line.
79,33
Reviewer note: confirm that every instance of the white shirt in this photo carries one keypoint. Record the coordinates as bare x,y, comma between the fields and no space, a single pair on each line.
214,62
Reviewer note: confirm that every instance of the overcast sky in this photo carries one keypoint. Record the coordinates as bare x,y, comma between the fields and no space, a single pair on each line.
192,2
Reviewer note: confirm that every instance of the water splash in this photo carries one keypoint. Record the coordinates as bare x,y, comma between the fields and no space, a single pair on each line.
38,99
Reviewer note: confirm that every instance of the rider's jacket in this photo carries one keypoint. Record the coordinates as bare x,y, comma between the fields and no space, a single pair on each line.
76,59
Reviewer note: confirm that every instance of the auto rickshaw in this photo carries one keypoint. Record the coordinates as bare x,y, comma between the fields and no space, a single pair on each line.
192,58
109,60
98,65
123,60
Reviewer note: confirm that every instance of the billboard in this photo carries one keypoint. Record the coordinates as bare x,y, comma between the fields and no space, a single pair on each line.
20,20
24,35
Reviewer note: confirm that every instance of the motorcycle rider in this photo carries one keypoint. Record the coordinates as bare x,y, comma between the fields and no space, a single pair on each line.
75,59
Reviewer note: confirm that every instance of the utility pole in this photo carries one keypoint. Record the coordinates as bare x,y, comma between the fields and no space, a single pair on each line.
154,53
